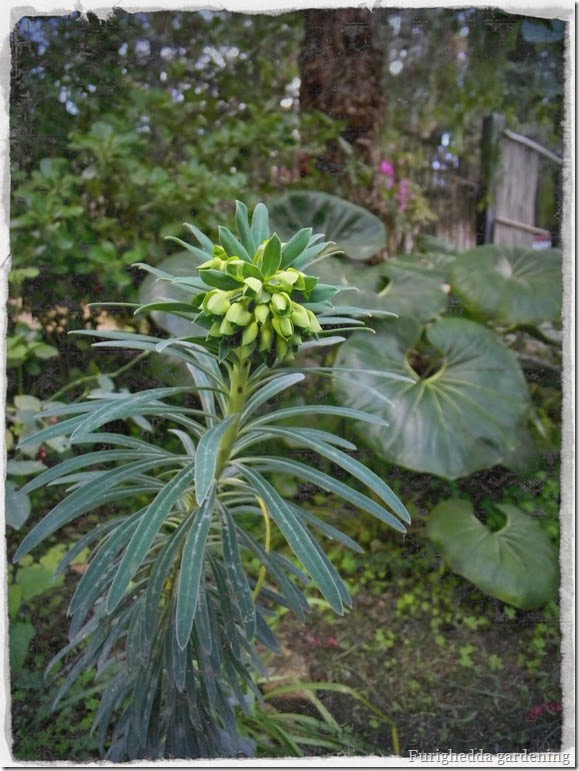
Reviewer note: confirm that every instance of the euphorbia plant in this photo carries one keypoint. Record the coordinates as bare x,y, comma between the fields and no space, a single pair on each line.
172,605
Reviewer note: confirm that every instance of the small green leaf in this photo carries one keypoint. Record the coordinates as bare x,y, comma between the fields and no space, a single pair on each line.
271,256
232,246
260,224
295,246
243,227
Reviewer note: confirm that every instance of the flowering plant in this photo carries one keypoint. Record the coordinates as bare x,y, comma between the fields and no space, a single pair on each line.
171,607
405,208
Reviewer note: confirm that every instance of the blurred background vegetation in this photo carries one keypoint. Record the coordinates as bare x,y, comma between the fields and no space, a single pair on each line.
124,127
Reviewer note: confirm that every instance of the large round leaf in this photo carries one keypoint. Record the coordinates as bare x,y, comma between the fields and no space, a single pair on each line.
517,564
152,290
511,285
407,287
354,229
461,418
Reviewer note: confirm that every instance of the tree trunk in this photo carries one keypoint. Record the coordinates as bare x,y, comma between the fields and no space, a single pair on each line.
341,68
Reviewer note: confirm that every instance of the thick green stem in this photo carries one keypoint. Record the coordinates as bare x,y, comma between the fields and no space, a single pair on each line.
235,405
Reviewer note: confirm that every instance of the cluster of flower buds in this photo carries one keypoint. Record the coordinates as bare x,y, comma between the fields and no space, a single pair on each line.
257,305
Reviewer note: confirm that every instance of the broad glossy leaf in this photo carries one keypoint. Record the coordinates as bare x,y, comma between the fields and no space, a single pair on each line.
402,286
461,418
356,230
192,567
510,285
517,564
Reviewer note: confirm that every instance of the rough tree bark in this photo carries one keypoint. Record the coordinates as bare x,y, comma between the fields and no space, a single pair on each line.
341,67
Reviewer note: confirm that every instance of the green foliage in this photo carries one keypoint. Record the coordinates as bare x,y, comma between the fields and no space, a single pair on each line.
516,562
167,591
457,416
360,234
510,285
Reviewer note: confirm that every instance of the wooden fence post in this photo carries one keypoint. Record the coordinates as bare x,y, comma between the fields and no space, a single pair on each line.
491,130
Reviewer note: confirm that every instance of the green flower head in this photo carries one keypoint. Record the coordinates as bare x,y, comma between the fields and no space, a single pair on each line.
257,299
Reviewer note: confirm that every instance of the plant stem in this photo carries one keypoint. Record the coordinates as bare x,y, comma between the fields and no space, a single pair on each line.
236,402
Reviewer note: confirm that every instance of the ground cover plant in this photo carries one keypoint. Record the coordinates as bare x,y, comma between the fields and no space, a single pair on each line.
166,610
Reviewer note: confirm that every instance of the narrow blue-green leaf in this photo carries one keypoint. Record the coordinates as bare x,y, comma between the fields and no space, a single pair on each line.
199,253
205,394
83,500
115,409
121,440
253,436
145,534
54,473
159,574
298,538
228,628
237,575
243,227
265,635
232,246
295,246
62,428
207,456
186,441
260,224
296,469
162,275
292,597
204,240
314,250
98,532
169,306
103,558
202,621
192,567
318,409
349,464
268,391
330,531
342,588
271,256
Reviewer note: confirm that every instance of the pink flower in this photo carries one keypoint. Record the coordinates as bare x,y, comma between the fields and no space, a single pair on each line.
387,167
